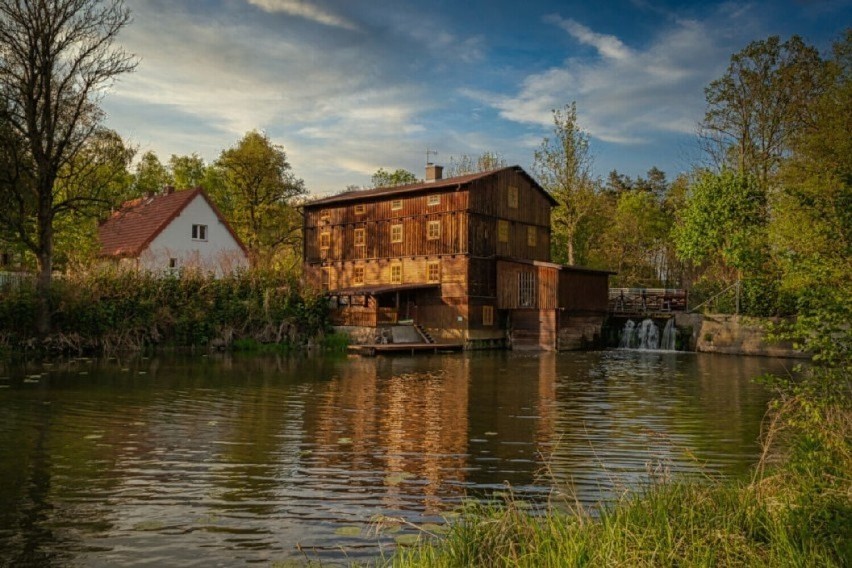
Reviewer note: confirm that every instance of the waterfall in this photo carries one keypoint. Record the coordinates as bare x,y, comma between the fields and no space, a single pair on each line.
669,336
646,335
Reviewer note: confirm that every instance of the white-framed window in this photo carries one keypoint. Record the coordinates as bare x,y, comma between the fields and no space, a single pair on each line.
487,315
513,197
526,289
433,272
503,231
360,237
199,232
396,233
358,275
325,240
433,230
360,209
433,200
396,204
396,273
531,236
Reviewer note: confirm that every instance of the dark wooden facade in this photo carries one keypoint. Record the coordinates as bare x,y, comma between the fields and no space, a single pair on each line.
445,253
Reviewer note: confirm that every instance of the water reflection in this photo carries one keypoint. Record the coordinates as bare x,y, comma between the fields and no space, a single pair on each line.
232,459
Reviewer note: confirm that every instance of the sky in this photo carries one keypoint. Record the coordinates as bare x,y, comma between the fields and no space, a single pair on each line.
350,86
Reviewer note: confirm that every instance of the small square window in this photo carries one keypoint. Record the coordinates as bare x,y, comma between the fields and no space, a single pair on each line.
487,315
396,273
360,239
199,232
360,209
531,236
433,230
503,231
358,275
513,197
433,200
172,263
396,204
433,272
396,233
325,240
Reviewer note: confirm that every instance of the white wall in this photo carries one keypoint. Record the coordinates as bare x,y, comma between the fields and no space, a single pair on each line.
220,253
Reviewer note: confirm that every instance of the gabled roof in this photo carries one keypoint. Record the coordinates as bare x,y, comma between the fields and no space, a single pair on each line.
421,187
129,231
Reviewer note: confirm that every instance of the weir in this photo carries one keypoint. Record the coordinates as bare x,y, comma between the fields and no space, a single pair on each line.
646,335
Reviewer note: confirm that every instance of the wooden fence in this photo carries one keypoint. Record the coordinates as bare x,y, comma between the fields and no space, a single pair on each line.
643,300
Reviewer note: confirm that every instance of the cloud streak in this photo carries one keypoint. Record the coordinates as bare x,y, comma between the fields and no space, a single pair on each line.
306,10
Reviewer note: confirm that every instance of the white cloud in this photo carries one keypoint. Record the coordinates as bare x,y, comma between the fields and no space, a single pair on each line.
303,9
607,45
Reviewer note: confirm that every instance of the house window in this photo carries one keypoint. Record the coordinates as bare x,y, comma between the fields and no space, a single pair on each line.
199,232
396,204
433,230
396,233
503,231
172,263
433,200
396,273
433,272
325,279
325,217
531,236
325,240
360,209
487,315
513,197
358,275
359,237
526,289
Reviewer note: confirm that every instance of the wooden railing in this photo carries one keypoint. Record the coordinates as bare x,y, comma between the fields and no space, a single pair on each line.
641,300
387,315
368,318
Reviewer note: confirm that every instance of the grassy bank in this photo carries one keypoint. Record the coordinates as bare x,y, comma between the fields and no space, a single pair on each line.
107,310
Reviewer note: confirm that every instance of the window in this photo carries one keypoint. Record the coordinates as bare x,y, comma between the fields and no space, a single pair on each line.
325,240
325,278
513,197
396,233
199,232
487,315
433,230
503,231
433,200
396,204
531,236
526,289
172,263
358,275
433,272
359,237
396,273
360,209
325,217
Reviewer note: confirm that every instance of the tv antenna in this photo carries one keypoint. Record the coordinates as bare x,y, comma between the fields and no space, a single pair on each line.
428,153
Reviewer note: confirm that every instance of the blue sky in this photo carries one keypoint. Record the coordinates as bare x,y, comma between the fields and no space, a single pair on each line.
349,86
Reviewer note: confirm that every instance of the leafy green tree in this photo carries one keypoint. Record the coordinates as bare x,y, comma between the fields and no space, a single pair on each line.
257,194
563,168
762,99
187,172
384,178
151,176
56,57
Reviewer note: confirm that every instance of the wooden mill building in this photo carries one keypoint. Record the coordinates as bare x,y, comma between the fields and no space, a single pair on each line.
466,258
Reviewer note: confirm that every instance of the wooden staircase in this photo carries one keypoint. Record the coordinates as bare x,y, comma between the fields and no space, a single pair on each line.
424,334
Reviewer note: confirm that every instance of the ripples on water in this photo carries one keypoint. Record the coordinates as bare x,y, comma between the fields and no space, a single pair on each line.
229,460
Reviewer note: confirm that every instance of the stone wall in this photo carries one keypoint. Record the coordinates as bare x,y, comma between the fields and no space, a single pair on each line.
733,335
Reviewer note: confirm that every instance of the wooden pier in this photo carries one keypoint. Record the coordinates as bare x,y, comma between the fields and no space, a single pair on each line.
403,348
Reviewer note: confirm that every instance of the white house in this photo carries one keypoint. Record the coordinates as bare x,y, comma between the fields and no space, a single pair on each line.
178,229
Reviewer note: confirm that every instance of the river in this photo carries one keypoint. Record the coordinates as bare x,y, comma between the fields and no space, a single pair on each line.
179,460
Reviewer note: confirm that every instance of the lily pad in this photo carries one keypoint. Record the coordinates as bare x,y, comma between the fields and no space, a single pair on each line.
344,441
395,479
349,530
93,437
407,539
148,526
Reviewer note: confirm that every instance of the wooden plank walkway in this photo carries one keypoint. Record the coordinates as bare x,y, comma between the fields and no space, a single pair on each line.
404,348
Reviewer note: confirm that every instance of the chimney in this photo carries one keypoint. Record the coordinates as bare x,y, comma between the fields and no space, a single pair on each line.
169,189
434,172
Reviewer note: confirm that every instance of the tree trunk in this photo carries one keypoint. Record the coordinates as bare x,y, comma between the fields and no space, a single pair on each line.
571,249
44,255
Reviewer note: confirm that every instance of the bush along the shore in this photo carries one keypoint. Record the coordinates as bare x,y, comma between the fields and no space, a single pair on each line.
114,310
796,510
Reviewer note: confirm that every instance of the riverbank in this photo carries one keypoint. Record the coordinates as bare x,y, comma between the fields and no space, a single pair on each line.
108,311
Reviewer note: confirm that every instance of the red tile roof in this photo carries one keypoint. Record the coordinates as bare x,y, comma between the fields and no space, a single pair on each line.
423,186
131,229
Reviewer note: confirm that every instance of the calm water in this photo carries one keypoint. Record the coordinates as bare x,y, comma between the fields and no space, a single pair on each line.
230,460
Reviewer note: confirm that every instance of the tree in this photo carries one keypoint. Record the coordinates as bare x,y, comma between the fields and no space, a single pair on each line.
563,168
56,57
187,171
384,178
764,97
466,164
151,176
257,192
